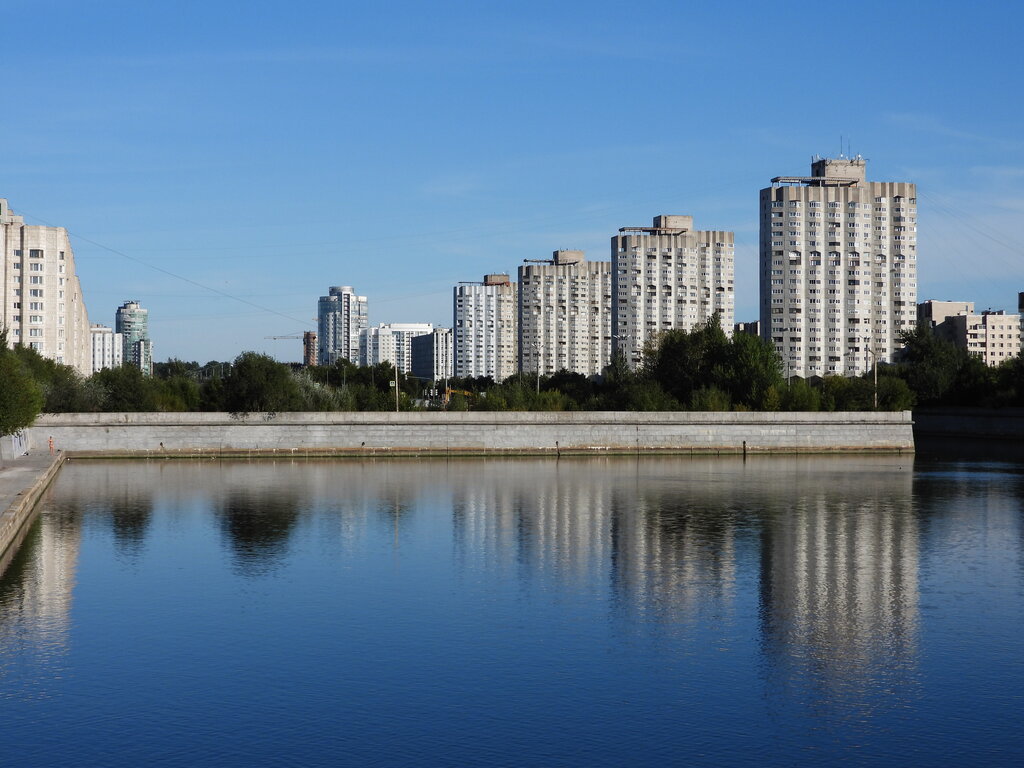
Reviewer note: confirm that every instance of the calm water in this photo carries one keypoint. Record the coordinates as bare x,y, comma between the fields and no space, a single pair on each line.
782,611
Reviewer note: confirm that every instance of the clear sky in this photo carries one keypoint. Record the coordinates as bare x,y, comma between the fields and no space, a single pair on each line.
267,150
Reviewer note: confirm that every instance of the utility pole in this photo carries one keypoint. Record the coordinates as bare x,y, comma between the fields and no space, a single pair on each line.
874,359
536,347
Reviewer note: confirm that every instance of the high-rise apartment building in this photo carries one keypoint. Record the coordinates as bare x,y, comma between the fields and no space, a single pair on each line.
132,321
432,355
107,347
391,343
341,318
42,305
838,267
485,328
565,314
669,276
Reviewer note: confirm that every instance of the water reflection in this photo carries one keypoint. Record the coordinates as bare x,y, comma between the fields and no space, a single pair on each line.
810,565
839,585
36,594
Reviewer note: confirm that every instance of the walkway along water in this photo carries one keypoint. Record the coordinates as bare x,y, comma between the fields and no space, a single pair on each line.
22,483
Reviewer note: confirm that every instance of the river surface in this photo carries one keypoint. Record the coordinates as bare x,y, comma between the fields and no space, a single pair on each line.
660,611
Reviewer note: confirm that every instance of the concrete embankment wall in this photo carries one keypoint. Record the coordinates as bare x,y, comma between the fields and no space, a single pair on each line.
189,434
16,515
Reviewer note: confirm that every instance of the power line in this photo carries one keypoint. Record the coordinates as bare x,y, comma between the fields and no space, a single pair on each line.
188,280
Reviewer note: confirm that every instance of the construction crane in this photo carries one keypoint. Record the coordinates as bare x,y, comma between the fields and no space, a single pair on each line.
308,345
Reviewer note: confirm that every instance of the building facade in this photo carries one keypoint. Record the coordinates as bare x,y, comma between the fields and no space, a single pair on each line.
931,313
132,321
341,317
107,347
669,276
391,343
309,348
432,355
565,314
42,305
838,267
484,327
993,336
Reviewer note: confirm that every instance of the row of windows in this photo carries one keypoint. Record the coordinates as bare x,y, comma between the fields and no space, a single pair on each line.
899,200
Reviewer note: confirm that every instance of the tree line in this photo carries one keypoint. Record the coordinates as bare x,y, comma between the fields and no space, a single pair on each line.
701,370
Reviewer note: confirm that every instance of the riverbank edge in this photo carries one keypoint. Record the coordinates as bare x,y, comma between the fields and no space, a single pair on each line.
427,434
16,520
470,453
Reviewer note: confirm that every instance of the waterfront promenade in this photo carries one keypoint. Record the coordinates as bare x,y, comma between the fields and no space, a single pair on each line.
22,482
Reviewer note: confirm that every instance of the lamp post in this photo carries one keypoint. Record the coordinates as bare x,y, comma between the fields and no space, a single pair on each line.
874,360
536,347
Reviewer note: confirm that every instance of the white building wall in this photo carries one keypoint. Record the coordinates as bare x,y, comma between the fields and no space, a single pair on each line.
565,315
994,337
107,348
485,328
443,353
342,316
392,343
41,304
669,276
838,260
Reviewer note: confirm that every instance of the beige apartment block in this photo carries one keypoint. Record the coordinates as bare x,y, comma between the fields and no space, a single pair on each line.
42,305
838,260
565,314
992,336
485,328
931,312
668,276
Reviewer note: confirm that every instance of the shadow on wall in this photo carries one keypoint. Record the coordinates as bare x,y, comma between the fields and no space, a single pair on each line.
14,446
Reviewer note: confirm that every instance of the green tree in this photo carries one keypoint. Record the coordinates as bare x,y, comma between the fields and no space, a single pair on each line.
800,396
259,383
929,364
754,372
126,389
1010,380
21,398
745,368
710,399
894,394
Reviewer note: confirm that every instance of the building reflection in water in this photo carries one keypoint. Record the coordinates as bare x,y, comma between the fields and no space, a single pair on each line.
832,541
544,519
36,594
839,579
827,547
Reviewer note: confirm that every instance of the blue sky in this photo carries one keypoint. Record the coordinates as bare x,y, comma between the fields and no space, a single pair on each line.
265,151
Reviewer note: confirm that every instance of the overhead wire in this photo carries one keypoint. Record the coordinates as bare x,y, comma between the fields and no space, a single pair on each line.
169,273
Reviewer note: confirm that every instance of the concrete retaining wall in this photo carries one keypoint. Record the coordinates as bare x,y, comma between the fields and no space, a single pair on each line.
149,434
15,519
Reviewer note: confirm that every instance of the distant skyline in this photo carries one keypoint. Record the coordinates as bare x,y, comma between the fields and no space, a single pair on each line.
270,151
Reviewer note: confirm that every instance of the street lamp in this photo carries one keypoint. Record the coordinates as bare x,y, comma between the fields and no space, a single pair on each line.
874,359
536,347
